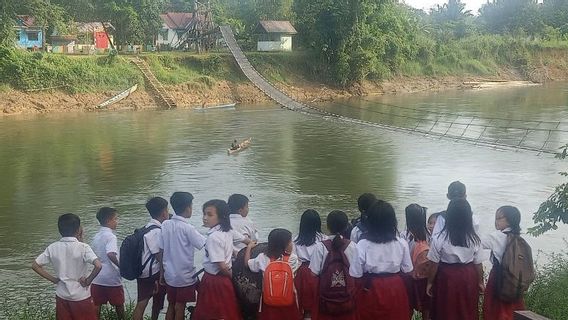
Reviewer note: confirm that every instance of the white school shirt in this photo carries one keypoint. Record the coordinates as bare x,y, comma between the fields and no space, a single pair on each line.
178,241
261,262
70,259
496,242
441,223
244,226
320,254
442,250
390,257
218,248
103,243
356,234
305,252
151,247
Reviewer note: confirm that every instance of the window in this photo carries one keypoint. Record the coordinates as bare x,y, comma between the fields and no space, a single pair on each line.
33,36
164,34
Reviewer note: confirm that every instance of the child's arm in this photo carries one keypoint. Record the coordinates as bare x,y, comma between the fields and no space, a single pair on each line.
160,258
113,257
224,269
85,282
431,277
250,245
42,272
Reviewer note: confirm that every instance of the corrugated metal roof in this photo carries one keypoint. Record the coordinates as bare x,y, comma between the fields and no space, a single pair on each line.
269,26
87,27
27,21
178,20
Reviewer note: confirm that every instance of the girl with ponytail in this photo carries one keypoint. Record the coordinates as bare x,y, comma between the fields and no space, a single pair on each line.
335,262
507,221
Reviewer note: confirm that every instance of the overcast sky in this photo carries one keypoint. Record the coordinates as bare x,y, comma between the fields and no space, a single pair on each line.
472,5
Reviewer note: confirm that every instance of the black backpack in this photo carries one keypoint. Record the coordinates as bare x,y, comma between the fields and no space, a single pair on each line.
131,251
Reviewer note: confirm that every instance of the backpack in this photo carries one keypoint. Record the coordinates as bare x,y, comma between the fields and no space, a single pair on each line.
131,251
420,261
516,271
278,283
336,286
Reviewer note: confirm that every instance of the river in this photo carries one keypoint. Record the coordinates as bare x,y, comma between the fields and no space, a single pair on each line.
53,164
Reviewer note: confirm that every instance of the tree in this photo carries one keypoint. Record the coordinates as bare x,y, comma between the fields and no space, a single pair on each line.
511,16
555,208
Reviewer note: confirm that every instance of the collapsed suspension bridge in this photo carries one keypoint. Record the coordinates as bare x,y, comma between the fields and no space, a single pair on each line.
531,135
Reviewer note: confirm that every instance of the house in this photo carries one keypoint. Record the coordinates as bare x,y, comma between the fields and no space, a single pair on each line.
28,34
175,26
93,33
274,35
62,44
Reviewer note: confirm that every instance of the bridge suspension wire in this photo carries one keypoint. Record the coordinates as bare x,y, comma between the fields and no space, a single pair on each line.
538,122
481,138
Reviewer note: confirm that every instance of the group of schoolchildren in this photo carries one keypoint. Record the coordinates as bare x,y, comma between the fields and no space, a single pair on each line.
363,270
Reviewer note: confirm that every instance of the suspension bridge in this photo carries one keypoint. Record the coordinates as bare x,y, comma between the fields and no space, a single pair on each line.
542,137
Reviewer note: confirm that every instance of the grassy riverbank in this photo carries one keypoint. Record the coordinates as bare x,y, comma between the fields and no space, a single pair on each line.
80,82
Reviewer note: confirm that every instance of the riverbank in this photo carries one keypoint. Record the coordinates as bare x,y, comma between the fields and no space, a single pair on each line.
214,79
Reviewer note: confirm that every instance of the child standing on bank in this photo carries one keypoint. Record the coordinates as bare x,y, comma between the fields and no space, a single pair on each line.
216,294
240,222
148,284
365,201
177,248
507,223
306,283
417,236
70,258
107,285
384,255
336,263
457,274
280,303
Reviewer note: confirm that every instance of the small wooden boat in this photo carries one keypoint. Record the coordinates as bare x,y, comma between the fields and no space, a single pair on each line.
243,145
229,106
123,95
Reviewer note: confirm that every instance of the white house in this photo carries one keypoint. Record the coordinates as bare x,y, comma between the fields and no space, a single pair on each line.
274,35
174,27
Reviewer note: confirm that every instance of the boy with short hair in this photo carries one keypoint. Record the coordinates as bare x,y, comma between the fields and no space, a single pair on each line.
107,286
148,284
240,222
177,249
70,259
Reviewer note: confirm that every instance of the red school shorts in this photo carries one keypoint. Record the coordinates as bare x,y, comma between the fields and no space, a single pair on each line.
75,310
181,294
150,288
104,294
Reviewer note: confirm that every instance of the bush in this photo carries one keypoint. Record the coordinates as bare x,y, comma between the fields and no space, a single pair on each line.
548,295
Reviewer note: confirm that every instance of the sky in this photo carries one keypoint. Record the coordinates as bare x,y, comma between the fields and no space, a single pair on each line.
472,5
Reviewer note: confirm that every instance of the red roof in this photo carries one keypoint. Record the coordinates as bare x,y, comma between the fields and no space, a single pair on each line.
177,20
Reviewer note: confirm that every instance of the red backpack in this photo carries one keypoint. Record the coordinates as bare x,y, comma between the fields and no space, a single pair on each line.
337,287
278,283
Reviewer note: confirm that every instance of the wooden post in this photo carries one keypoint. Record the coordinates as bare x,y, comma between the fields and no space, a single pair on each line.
527,315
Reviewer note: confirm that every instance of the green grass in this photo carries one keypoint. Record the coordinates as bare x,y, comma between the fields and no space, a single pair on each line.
30,71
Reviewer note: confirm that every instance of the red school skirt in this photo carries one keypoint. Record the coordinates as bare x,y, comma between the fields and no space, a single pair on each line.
495,309
383,297
216,299
306,284
279,313
456,292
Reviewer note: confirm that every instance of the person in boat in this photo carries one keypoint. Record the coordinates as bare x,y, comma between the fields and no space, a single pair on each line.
235,145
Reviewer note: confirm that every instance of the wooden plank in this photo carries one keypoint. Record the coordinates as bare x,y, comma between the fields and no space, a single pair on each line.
527,315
